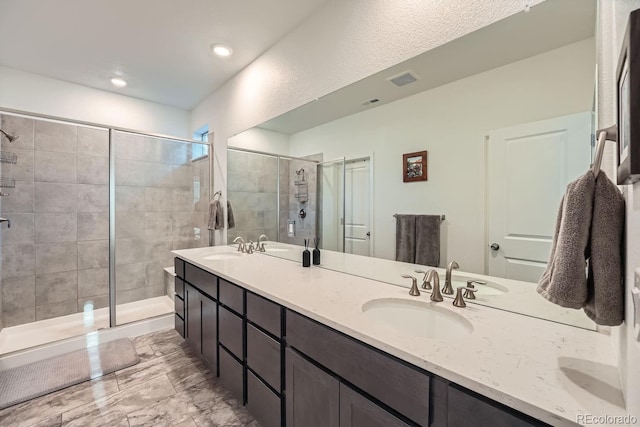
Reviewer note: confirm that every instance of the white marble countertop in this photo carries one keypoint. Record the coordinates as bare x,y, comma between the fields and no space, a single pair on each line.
550,371
521,297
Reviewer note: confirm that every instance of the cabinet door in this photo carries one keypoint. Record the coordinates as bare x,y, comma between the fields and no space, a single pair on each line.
358,411
194,318
312,395
209,332
466,410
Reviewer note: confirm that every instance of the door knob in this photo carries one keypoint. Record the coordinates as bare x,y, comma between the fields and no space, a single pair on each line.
494,246
368,234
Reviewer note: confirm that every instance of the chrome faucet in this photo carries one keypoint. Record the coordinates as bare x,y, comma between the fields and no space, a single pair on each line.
425,283
8,221
432,276
459,300
414,291
448,288
250,247
261,240
241,245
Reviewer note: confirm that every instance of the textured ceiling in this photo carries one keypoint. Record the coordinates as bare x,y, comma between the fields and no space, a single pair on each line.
161,47
548,25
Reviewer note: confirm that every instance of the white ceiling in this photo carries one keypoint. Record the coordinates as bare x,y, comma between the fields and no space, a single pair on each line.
161,47
548,25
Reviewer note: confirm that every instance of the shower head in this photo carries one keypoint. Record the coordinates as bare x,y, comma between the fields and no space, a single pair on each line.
10,137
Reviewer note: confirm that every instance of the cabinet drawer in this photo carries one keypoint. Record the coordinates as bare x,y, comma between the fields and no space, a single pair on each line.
262,403
263,356
231,296
231,375
179,287
230,331
179,267
203,280
466,410
179,325
179,306
358,411
404,389
264,313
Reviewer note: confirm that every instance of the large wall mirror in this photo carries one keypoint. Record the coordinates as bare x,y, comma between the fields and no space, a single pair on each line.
506,116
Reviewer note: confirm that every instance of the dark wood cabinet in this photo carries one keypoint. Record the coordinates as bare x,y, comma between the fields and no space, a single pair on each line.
209,327
468,410
294,371
312,395
358,411
263,403
389,380
232,375
193,321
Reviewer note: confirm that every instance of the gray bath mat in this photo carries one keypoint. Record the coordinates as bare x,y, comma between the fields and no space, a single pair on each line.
36,379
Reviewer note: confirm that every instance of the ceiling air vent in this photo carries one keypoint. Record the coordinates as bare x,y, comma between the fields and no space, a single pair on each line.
371,101
404,78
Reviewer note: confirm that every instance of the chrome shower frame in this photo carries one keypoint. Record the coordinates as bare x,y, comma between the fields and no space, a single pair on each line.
112,182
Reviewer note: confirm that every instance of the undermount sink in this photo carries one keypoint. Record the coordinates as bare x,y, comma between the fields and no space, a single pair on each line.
488,290
418,318
276,248
222,256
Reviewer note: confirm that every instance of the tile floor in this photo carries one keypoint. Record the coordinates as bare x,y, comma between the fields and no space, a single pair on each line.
169,387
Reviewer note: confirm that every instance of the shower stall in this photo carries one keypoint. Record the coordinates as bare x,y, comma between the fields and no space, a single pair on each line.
94,213
275,194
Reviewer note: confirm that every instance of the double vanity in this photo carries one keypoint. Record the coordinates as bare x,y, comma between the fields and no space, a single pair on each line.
316,347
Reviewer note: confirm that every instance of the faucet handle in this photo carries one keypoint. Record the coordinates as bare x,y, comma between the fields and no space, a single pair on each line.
8,221
459,300
467,293
415,292
425,283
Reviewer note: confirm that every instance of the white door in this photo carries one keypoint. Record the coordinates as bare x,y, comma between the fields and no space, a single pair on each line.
357,224
529,167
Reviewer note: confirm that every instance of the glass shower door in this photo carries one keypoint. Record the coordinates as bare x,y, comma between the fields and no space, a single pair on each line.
331,210
161,201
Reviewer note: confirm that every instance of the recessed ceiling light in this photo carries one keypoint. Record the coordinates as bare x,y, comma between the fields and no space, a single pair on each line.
118,82
221,50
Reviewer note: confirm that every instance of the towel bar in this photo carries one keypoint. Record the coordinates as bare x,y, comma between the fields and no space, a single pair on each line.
442,217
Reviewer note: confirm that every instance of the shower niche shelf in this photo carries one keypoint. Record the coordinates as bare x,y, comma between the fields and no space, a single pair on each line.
7,183
8,158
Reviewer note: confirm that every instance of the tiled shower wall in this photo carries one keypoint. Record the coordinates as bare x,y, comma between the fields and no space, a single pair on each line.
252,185
55,255
162,199
306,228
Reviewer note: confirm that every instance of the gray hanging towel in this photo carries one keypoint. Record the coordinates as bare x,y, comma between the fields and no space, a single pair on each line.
406,238
605,304
428,240
564,282
230,218
216,215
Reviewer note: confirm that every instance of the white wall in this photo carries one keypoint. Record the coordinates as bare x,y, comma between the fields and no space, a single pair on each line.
341,43
451,122
261,140
33,93
612,22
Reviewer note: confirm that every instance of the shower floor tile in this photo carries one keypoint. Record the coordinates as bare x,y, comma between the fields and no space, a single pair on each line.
33,334
170,386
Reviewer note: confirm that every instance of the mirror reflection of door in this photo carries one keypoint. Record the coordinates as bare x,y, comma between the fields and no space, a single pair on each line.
357,222
528,169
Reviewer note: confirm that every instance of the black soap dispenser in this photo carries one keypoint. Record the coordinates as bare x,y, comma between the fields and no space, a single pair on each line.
306,255
316,252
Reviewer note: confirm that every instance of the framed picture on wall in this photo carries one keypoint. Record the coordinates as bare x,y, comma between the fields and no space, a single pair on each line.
414,166
628,80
